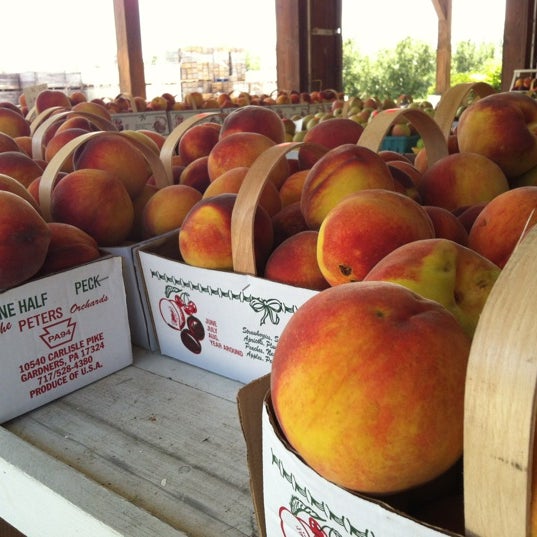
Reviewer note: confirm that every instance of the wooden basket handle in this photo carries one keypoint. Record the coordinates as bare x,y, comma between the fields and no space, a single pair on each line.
428,129
449,103
500,402
50,173
42,129
243,216
172,140
42,116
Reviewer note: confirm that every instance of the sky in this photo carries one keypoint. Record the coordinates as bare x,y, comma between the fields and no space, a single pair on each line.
83,38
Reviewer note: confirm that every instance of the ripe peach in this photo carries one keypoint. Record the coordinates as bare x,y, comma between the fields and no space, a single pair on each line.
139,203
342,171
166,209
24,240
288,221
467,215
59,139
157,137
447,225
95,201
291,189
503,222
404,183
252,118
328,134
92,108
294,262
20,166
230,183
69,247
364,227
49,98
116,154
461,179
205,236
24,144
242,149
440,269
8,143
196,174
198,141
10,184
367,385
500,127
13,124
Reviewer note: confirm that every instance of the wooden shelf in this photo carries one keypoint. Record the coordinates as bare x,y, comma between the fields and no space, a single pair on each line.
154,449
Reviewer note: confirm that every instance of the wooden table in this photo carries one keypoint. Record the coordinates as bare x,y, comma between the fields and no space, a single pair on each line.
154,450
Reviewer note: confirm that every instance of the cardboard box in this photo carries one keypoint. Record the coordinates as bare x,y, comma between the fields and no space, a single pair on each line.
152,120
242,315
293,500
60,333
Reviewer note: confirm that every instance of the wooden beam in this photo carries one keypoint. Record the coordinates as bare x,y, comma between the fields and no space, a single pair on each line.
518,39
443,51
129,48
288,45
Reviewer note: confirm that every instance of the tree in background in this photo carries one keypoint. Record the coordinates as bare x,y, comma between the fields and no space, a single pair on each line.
410,69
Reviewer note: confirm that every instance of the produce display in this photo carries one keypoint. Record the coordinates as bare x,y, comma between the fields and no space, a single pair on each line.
368,376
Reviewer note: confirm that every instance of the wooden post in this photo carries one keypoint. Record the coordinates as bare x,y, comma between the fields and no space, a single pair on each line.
129,48
443,51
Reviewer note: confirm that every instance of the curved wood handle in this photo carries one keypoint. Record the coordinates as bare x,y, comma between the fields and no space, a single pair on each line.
430,132
500,402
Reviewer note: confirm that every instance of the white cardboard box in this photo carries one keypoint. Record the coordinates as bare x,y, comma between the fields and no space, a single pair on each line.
60,333
241,316
292,500
151,120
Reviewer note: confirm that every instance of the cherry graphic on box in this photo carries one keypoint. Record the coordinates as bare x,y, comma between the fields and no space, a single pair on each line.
178,313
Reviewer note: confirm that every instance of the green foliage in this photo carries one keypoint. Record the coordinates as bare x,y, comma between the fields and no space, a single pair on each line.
410,68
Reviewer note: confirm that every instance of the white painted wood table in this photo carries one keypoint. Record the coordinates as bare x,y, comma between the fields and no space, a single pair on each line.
154,450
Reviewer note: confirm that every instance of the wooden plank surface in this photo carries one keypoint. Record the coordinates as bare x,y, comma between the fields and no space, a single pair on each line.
157,445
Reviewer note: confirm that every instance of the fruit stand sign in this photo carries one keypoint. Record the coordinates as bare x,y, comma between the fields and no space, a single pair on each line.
60,333
223,322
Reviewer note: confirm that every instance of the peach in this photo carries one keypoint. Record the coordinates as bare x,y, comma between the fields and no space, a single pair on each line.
407,167
76,122
10,184
116,154
242,149
468,214
367,385
166,209
440,269
24,240
94,108
461,179
95,201
59,139
69,247
49,98
447,225
198,141
13,124
388,155
20,166
501,127
195,174
8,143
139,203
205,236
252,118
77,97
294,262
404,183
157,137
24,144
503,222
291,189
328,134
363,228
288,221
230,183
342,171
